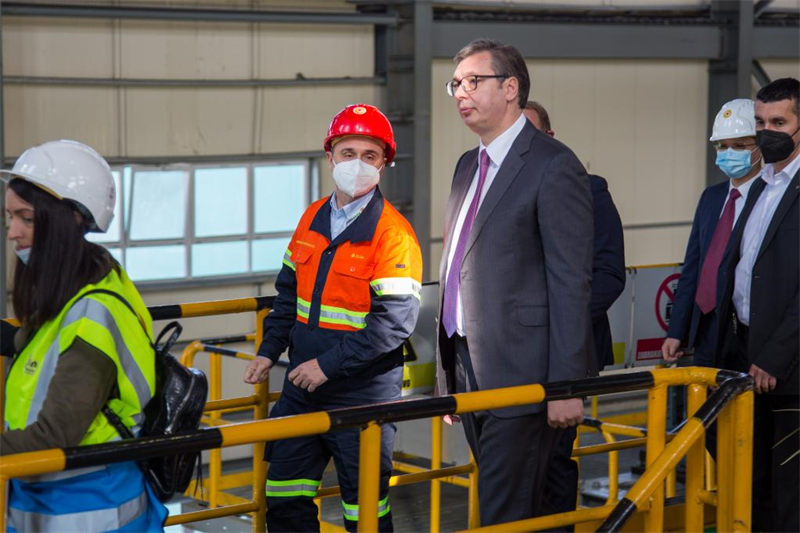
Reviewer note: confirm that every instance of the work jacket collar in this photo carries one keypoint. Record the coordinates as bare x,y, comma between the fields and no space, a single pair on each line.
362,229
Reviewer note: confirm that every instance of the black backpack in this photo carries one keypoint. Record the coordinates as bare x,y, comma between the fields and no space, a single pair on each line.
176,407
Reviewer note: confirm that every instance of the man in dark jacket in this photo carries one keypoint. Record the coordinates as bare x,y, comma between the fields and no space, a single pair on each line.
760,310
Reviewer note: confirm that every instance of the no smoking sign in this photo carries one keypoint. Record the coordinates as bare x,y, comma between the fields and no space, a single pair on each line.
664,298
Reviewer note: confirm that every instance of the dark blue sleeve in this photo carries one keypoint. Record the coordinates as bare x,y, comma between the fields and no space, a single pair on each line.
279,322
683,304
7,332
608,266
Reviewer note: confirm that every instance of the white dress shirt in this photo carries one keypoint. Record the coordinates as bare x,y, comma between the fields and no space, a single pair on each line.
754,231
497,149
739,205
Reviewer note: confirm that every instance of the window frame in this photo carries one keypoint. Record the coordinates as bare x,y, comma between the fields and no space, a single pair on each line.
310,166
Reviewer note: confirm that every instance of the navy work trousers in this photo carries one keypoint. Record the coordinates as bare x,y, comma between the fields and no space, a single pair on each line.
296,466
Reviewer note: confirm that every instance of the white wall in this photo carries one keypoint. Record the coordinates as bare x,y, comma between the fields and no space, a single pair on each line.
638,123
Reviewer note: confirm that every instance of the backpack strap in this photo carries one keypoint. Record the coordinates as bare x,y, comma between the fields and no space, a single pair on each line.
112,417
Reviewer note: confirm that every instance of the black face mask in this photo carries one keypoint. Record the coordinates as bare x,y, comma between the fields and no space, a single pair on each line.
775,145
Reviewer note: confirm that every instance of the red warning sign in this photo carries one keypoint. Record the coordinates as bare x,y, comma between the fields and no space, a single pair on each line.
664,298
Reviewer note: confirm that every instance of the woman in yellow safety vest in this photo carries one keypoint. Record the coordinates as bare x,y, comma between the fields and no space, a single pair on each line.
78,349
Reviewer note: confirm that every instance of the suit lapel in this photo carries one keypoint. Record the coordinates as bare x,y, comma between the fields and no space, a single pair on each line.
789,197
508,171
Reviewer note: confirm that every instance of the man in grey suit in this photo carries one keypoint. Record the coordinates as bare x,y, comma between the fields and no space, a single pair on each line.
515,279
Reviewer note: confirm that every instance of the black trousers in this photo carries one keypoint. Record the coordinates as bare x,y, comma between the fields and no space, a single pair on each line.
776,442
561,486
512,454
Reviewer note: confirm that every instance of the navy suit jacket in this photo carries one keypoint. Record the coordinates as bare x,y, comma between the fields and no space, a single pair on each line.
608,267
684,322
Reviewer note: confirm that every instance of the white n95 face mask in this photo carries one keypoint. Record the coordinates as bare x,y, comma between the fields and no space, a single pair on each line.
354,177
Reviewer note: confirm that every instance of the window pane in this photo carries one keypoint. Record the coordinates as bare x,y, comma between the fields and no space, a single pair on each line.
159,204
116,253
156,262
280,197
268,254
219,258
112,235
220,201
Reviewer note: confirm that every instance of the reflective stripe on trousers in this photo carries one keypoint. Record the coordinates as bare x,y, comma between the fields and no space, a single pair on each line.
292,488
350,510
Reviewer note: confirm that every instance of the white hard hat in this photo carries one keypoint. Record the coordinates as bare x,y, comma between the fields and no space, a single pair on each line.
70,170
735,119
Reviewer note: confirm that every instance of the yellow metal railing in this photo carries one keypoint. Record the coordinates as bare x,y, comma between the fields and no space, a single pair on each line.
646,496
699,488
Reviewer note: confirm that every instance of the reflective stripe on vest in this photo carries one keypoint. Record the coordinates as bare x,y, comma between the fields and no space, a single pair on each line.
291,488
101,316
350,510
99,520
397,287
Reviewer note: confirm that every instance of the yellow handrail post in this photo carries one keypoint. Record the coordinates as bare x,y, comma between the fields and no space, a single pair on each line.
260,413
725,466
695,461
613,470
4,501
656,438
369,462
473,509
743,461
436,463
215,455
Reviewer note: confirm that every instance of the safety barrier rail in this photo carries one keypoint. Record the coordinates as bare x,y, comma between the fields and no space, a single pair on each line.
216,482
732,401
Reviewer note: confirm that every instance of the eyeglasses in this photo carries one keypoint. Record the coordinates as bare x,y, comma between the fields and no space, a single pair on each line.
736,146
469,83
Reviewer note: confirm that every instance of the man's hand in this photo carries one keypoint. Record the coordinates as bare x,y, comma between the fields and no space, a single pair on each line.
564,413
308,376
764,381
671,350
451,419
258,370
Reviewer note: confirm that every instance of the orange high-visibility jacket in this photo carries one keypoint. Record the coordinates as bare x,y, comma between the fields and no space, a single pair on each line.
350,302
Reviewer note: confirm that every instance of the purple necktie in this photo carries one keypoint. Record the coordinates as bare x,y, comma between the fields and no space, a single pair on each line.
706,296
450,304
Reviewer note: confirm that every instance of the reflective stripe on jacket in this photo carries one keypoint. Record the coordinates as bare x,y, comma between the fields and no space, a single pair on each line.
349,302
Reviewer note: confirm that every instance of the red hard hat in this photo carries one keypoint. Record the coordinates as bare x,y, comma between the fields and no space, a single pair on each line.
362,119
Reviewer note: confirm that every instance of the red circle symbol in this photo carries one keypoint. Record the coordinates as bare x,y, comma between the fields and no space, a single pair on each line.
665,290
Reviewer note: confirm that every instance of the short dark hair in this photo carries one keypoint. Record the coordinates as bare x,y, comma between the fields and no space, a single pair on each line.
62,261
781,89
544,118
506,60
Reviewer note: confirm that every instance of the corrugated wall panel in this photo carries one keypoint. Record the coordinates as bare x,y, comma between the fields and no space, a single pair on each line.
640,124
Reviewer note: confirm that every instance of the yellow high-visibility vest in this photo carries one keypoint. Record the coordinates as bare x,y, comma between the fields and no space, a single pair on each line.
104,322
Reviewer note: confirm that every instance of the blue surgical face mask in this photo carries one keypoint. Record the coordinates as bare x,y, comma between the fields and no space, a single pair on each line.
734,163
24,254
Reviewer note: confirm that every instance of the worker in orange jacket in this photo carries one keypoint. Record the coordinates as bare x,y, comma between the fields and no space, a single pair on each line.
348,296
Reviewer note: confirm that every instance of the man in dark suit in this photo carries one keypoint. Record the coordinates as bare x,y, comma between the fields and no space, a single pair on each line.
693,321
608,282
515,279
760,310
